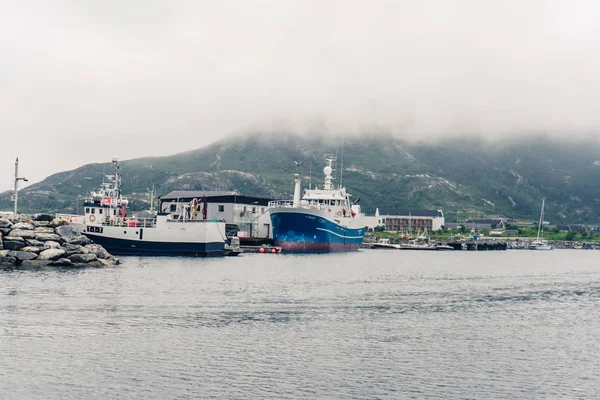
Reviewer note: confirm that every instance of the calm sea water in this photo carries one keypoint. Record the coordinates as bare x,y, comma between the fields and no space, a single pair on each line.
368,325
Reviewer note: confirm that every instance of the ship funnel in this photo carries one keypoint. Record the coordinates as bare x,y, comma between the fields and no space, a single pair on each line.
296,190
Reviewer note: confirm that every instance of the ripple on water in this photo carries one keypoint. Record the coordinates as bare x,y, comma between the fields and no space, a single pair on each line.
360,326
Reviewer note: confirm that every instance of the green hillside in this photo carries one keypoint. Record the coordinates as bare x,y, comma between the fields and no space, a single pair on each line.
468,175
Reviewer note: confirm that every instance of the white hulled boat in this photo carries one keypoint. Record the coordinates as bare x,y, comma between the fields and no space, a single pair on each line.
539,243
183,232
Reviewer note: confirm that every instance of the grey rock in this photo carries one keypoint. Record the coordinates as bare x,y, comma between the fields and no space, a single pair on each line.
32,249
50,244
61,262
34,263
96,249
5,231
43,229
58,222
4,253
23,225
13,244
73,248
15,238
51,254
67,231
22,255
34,243
5,223
1,245
48,236
80,239
83,258
7,261
40,223
22,233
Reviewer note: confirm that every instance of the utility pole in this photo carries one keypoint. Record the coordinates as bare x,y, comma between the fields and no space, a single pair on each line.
17,179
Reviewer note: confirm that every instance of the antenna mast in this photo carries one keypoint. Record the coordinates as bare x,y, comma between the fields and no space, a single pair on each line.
342,165
17,179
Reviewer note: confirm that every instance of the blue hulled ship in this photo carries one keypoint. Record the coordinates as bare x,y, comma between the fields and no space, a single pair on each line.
323,220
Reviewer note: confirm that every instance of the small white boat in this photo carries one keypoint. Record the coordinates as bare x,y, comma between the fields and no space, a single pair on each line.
539,243
416,245
385,244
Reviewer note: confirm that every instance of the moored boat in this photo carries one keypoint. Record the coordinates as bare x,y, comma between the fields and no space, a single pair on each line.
539,243
323,220
185,231
385,244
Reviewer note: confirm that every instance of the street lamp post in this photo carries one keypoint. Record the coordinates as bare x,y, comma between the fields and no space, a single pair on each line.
17,179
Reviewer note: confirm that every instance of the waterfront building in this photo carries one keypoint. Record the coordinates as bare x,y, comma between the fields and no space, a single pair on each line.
407,220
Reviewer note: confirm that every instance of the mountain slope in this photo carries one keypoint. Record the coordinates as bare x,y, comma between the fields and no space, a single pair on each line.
468,175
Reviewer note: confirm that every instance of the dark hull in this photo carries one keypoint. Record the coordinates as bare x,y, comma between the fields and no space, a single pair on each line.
301,232
145,248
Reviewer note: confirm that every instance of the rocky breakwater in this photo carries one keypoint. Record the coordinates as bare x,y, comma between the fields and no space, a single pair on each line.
29,243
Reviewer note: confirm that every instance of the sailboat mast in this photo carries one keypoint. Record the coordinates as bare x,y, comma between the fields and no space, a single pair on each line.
541,218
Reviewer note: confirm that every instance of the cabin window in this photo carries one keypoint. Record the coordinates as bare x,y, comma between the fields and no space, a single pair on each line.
100,211
244,208
87,210
262,210
253,210
93,211
173,207
222,208
115,212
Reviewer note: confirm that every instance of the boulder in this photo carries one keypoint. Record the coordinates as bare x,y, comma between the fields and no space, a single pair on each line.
32,249
67,231
96,249
23,225
73,249
5,231
40,223
22,233
4,253
47,236
43,229
51,254
83,258
62,262
58,222
110,261
5,223
50,244
13,244
80,239
34,263
34,243
22,255
7,261
15,239
43,218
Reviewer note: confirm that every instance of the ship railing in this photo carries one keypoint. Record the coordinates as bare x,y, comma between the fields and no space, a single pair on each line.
191,221
312,205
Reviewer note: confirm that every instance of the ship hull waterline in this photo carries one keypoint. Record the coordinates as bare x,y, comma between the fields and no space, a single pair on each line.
125,247
305,232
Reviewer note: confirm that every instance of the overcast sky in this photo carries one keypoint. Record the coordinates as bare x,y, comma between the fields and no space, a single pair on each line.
81,80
